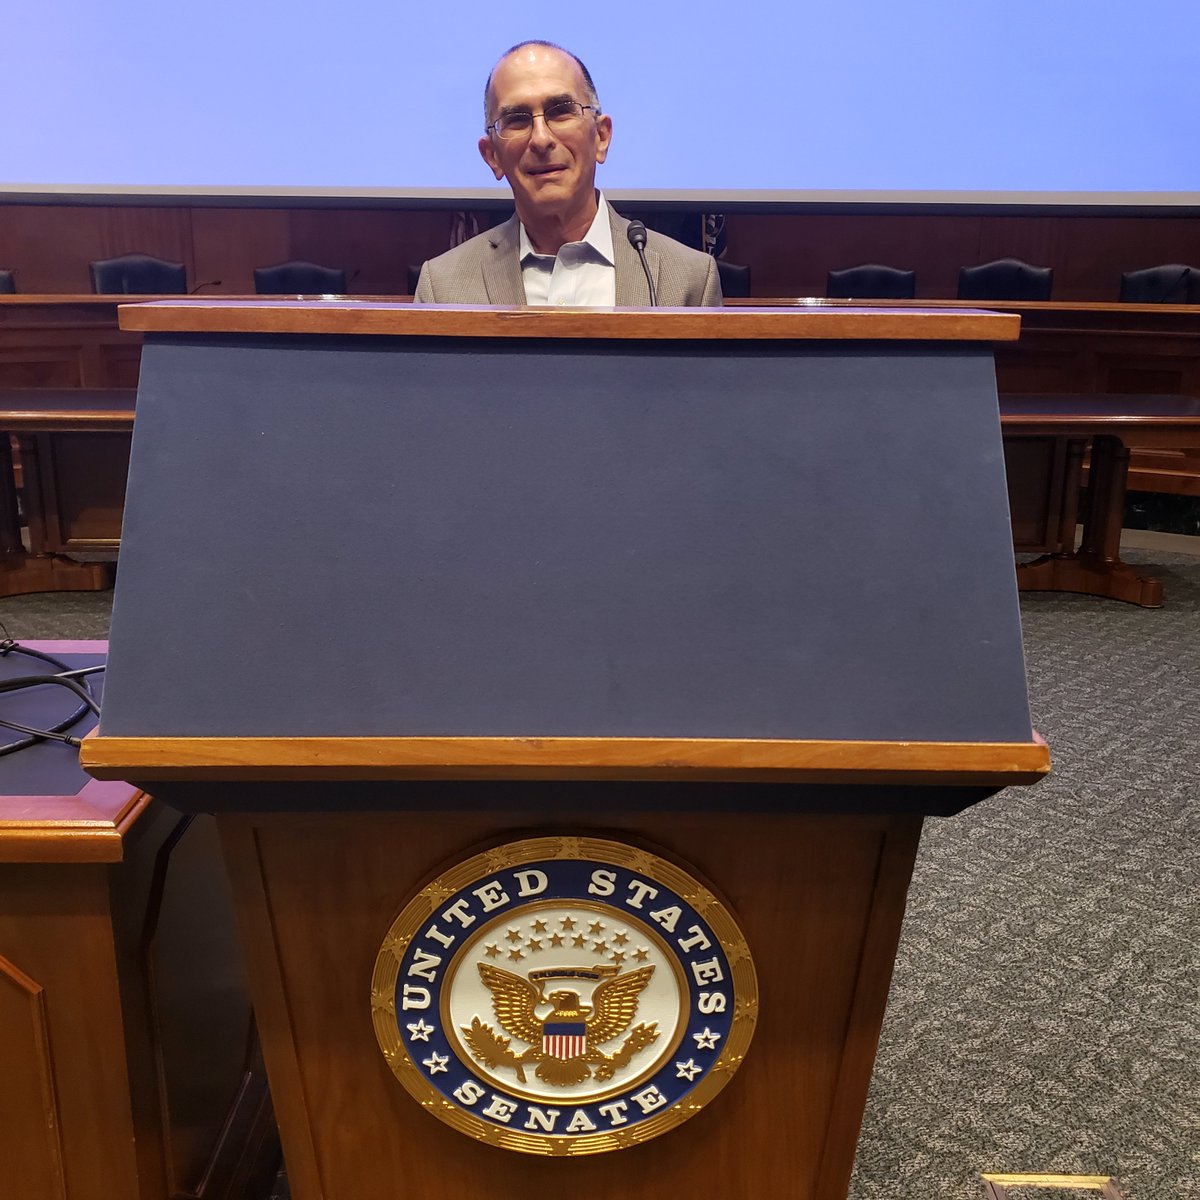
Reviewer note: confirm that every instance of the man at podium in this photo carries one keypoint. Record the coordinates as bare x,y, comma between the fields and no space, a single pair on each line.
545,134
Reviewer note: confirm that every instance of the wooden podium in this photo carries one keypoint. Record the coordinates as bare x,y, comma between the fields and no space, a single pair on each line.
733,589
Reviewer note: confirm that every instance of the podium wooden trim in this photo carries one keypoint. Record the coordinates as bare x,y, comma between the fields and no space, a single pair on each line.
809,323
692,759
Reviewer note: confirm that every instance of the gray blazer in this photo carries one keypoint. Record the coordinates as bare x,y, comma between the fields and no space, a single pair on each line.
486,270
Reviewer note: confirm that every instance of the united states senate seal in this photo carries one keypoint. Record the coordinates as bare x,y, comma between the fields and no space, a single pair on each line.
564,996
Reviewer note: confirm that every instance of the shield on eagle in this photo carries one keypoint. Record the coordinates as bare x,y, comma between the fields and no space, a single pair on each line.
564,1039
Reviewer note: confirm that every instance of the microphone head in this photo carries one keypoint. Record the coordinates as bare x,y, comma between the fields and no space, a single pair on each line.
636,233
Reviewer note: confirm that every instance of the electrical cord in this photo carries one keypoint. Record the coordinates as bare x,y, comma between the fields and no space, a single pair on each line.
73,679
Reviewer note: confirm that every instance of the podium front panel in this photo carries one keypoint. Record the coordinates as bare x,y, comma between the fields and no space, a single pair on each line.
369,536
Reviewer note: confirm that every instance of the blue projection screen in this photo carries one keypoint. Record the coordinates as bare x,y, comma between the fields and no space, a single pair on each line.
1014,102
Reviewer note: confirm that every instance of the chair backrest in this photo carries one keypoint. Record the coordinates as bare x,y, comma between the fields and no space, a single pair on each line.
871,281
735,278
1171,283
1005,279
299,278
7,283
138,274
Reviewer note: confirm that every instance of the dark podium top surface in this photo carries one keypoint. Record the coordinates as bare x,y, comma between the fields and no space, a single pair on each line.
50,810
585,535
48,768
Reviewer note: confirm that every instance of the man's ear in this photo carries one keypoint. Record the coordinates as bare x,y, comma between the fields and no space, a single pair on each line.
603,137
488,152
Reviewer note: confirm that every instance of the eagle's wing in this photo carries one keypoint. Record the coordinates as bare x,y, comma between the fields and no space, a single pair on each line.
614,1005
513,1001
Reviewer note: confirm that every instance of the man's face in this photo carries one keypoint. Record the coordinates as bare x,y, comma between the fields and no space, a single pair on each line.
551,172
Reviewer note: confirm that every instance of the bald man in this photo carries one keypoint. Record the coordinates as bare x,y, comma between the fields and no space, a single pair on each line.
545,134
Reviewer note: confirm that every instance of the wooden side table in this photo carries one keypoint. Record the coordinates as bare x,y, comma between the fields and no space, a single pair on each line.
1045,440
130,1058
73,448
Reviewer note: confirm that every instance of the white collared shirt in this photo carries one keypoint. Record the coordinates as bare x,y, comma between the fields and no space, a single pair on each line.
581,273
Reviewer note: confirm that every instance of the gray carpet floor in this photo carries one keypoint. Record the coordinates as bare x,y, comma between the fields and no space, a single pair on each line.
1043,1014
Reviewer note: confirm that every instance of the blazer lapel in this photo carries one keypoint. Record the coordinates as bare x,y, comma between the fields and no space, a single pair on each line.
502,267
631,279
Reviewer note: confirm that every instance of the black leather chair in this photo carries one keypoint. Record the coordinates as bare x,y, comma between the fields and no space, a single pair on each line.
871,281
1005,279
7,283
413,275
1171,283
138,274
735,278
299,279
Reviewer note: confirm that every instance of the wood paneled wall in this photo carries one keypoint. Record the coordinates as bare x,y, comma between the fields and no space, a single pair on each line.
50,246
790,255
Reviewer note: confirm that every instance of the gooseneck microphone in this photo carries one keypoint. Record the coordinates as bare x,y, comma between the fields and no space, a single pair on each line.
206,283
636,233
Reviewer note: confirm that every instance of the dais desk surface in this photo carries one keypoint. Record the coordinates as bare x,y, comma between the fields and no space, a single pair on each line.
50,810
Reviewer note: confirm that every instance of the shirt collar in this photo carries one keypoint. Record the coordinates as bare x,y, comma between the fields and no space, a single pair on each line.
598,236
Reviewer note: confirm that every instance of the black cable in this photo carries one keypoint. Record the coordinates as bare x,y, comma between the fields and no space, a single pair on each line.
64,676
10,646
51,735
18,682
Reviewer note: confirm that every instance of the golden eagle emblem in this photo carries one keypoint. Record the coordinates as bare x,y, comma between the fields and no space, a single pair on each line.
565,1042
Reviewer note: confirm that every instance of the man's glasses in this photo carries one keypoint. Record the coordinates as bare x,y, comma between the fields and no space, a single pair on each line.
562,115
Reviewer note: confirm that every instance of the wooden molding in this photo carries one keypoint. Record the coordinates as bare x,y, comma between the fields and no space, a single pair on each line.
40,410
87,827
1085,306
33,1148
807,322
693,759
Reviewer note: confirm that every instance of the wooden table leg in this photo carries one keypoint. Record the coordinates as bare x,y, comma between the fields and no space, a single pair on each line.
1096,568
10,519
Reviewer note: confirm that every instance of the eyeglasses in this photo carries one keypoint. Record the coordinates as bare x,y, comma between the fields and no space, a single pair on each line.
562,115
